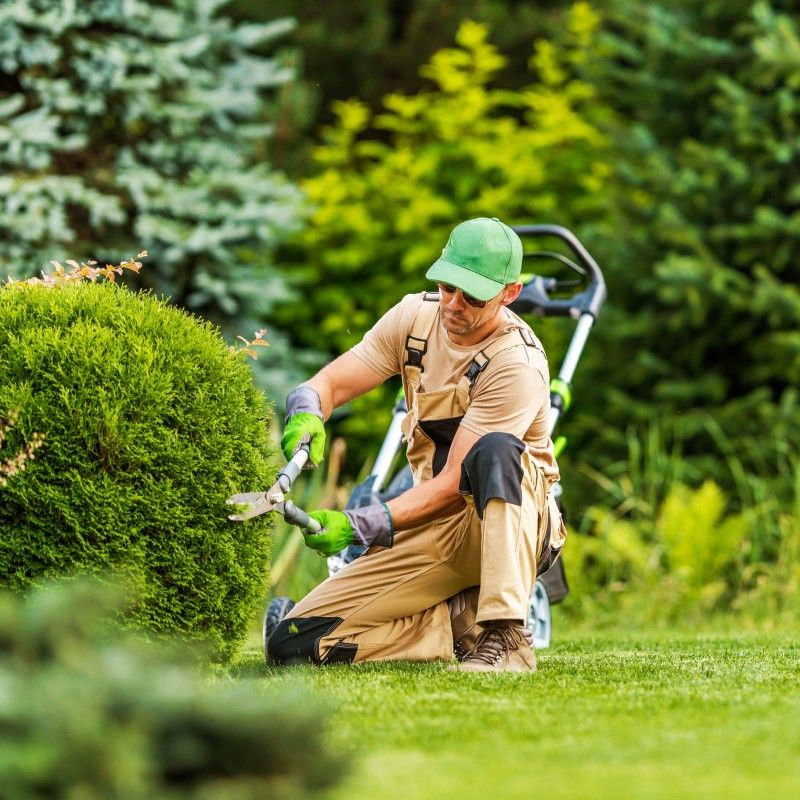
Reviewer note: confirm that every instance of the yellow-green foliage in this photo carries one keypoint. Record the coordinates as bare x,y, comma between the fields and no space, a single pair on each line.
772,590
611,561
680,558
391,186
699,540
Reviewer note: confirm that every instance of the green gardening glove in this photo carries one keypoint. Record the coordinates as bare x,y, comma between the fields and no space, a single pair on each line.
297,427
304,418
336,534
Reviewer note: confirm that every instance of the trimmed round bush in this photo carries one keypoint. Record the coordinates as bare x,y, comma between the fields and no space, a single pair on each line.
148,422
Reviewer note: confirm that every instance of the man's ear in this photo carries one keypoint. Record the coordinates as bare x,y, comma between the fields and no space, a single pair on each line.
510,293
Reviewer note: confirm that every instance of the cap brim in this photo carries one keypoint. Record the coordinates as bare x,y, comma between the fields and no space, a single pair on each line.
469,282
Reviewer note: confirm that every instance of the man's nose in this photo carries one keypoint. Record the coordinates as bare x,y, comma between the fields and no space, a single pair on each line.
456,301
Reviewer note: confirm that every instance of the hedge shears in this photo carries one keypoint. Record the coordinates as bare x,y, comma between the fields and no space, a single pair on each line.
274,498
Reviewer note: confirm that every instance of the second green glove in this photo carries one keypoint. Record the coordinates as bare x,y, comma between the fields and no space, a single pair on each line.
336,534
367,526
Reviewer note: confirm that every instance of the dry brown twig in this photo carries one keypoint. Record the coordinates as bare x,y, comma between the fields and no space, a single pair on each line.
85,271
246,347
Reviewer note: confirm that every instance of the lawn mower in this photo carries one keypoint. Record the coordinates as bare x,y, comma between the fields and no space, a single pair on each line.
546,293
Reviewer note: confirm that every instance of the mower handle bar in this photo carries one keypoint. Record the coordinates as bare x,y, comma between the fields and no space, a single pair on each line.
535,295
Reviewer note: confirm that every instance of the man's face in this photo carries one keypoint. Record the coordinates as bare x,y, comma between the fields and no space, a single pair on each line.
465,318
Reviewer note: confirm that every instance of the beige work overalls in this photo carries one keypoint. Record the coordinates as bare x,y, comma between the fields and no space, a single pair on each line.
391,603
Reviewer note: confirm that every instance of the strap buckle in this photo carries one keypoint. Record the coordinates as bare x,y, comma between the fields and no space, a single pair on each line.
476,367
415,350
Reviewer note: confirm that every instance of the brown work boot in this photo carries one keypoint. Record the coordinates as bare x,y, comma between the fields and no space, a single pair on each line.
502,647
463,611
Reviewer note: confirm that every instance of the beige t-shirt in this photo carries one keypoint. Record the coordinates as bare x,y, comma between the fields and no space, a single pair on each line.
511,395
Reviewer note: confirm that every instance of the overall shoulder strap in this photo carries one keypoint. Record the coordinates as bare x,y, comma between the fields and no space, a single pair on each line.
481,359
421,327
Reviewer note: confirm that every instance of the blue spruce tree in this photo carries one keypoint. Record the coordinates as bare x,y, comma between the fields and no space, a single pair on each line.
129,125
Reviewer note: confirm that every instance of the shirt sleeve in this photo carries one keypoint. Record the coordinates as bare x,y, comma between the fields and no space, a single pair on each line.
508,399
383,345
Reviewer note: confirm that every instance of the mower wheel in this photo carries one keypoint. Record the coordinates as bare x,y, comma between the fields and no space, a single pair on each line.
277,609
539,619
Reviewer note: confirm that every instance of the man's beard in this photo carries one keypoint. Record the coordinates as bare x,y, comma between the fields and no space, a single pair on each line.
457,325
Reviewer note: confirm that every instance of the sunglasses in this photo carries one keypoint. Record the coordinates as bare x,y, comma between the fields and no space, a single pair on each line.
468,298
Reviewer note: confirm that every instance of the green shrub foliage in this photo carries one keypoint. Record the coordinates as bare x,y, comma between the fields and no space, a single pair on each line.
147,423
84,715
704,323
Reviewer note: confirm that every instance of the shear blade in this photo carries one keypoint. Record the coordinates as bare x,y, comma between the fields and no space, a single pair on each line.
257,502
246,498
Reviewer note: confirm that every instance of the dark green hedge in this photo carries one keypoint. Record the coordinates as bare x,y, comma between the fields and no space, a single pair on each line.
85,714
149,423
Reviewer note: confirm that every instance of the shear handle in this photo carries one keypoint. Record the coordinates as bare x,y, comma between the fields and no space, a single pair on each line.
293,468
296,516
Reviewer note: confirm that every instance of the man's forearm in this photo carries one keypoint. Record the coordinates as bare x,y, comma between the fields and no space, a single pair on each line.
340,381
425,502
439,496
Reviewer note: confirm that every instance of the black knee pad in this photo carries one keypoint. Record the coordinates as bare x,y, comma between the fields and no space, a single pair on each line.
296,641
493,469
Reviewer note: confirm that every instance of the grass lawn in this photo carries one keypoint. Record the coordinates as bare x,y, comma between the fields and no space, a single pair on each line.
606,716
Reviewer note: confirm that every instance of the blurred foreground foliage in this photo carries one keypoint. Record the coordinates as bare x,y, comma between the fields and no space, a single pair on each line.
87,712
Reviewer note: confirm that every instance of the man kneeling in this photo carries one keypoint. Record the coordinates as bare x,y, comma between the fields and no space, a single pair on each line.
451,561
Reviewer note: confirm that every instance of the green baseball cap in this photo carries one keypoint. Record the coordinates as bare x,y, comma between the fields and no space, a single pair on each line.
480,258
